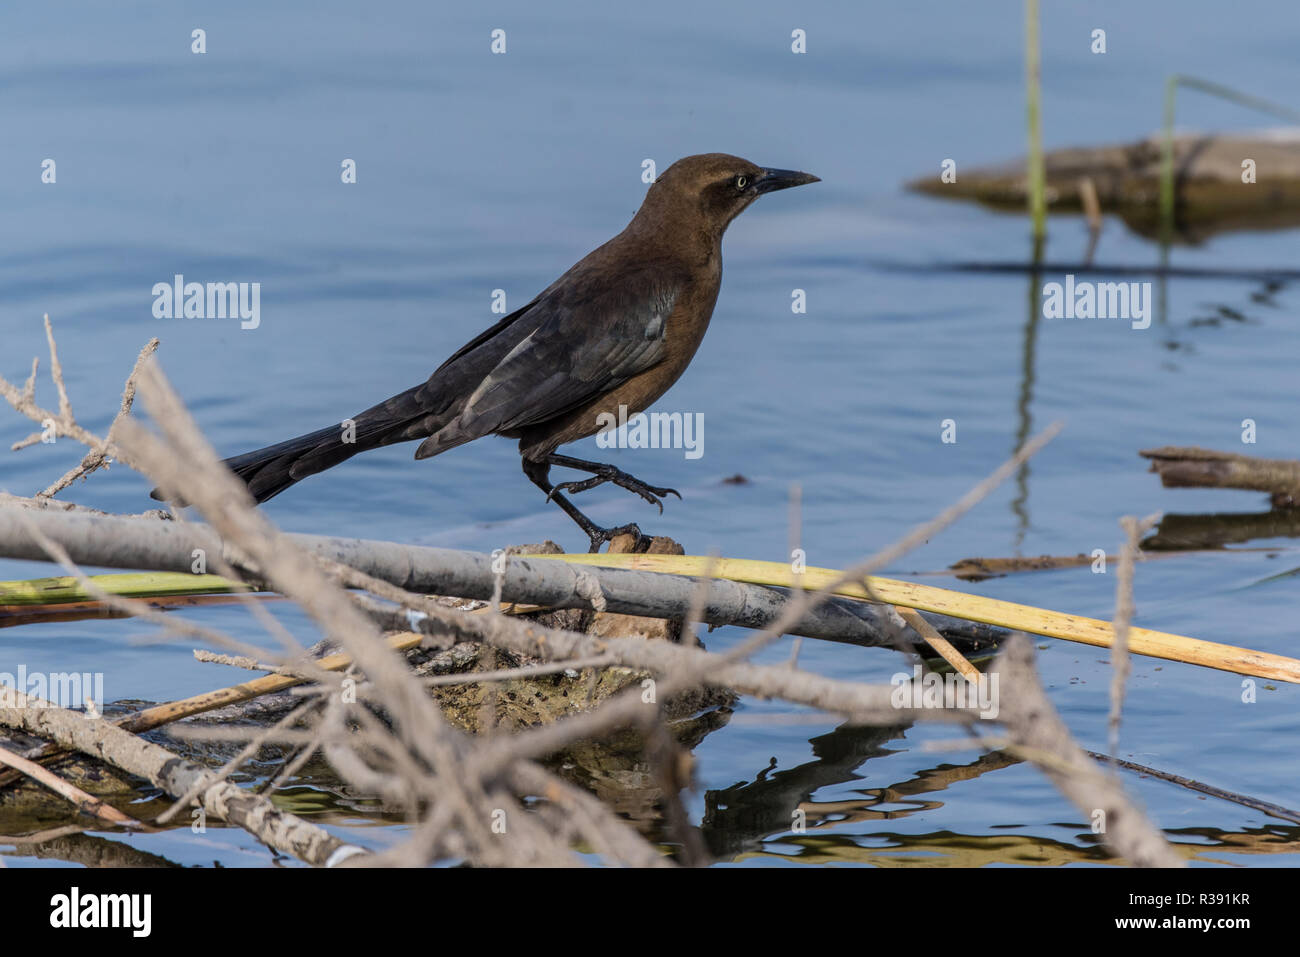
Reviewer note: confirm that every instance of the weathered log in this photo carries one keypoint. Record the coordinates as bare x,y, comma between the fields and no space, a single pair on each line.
1211,196
1191,467
110,542
253,812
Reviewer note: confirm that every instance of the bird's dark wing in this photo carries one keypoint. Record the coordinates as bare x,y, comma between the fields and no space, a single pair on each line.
593,336
488,334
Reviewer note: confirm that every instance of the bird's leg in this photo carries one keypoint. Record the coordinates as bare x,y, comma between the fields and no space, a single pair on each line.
607,473
538,473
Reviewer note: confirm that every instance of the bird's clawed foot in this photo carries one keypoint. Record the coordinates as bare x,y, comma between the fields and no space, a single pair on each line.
599,536
537,471
608,473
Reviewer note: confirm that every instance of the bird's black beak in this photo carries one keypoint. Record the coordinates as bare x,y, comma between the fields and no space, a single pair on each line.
773,179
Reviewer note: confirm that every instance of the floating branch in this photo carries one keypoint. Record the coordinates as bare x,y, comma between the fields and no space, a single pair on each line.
1005,614
109,542
1193,467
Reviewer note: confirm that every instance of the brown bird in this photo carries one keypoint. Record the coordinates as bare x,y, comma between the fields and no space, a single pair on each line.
617,329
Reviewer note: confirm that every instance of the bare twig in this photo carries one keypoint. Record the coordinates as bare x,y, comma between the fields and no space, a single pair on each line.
176,776
79,798
64,422
1034,726
1124,609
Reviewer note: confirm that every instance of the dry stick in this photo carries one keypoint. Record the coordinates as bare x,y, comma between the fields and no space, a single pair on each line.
247,663
280,830
940,644
83,801
1124,609
1039,621
24,402
891,716
96,458
1265,807
1191,467
1034,725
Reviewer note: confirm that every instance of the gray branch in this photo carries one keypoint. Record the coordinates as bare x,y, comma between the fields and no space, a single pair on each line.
112,542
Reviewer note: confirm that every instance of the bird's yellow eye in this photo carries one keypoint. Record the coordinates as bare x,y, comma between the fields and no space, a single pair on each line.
742,182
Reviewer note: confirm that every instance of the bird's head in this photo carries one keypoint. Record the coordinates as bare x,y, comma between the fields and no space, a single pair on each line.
718,186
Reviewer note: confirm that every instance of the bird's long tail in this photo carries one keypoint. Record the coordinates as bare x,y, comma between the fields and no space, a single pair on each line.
269,471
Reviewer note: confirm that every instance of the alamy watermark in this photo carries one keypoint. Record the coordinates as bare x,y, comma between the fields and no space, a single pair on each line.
933,690
652,430
65,689
179,299
1098,300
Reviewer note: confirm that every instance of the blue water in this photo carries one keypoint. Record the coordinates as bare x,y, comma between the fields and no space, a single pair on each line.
479,172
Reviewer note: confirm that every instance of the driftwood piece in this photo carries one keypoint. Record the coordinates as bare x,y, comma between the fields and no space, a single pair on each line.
1193,467
111,542
977,568
1125,179
256,814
